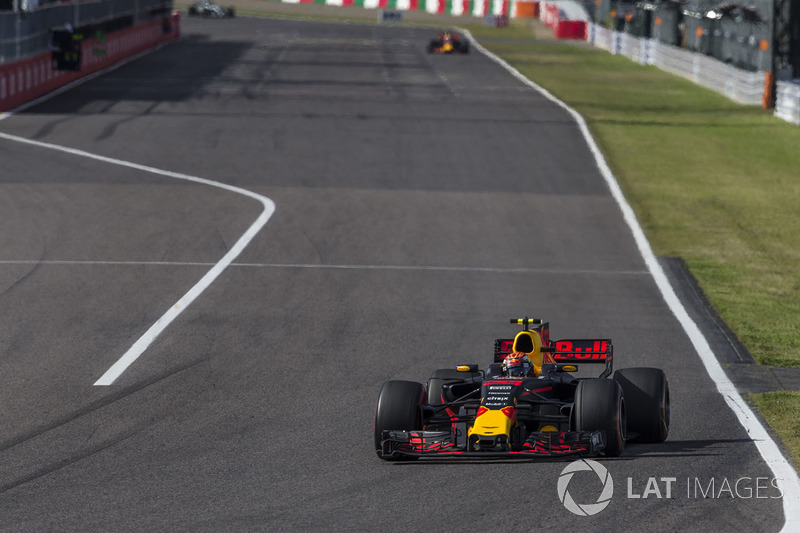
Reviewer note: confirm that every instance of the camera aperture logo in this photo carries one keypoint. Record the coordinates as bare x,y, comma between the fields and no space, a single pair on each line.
585,509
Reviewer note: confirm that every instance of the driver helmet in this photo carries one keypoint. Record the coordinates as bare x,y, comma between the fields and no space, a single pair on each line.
517,364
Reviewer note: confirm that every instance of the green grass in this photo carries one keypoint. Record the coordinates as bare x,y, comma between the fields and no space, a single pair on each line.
711,181
786,426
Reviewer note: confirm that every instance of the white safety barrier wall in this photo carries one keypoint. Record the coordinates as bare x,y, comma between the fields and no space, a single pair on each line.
603,38
787,102
633,48
738,85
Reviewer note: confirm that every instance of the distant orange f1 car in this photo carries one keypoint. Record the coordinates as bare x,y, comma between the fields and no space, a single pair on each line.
448,43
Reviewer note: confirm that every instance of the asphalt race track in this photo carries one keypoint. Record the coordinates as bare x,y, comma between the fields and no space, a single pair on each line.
420,202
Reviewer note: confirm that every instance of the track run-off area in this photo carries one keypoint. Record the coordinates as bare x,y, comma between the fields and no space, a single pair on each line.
212,257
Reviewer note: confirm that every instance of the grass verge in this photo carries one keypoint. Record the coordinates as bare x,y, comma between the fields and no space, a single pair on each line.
786,426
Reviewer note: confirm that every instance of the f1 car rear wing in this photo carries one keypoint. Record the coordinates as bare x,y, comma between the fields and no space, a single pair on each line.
575,351
565,351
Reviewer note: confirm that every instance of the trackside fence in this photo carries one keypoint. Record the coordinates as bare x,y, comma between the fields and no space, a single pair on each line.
25,34
787,102
737,84
27,79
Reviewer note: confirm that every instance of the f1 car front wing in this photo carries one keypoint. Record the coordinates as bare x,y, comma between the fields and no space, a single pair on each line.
398,444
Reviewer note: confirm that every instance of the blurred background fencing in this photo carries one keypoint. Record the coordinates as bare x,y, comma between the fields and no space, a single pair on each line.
26,26
752,35
747,49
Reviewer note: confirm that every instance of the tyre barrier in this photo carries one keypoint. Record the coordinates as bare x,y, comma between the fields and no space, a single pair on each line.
28,79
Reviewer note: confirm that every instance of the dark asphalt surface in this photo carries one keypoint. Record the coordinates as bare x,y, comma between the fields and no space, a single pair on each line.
422,201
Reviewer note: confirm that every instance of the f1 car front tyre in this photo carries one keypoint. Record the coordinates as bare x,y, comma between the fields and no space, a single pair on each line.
647,396
399,408
599,405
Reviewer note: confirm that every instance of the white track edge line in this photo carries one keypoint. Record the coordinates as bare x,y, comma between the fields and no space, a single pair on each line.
135,351
785,474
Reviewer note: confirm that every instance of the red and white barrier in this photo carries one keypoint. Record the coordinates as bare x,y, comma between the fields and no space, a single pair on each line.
28,79
563,26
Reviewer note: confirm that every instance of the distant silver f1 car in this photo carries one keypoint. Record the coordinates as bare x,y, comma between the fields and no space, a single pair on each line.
206,8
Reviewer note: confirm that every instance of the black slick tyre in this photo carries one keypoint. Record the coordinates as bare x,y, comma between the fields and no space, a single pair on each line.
399,408
647,397
599,405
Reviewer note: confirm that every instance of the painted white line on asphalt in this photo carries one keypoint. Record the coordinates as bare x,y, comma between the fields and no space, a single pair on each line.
161,324
433,268
785,474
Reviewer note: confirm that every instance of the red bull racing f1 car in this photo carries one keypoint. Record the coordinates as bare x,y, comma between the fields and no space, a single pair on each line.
527,403
448,43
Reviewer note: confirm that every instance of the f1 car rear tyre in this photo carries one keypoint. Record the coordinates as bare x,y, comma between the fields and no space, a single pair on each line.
647,396
399,408
599,405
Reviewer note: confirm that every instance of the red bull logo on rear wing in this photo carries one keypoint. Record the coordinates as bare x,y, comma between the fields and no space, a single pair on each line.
581,351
